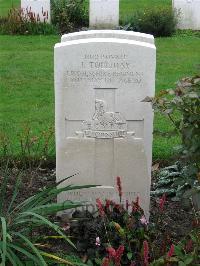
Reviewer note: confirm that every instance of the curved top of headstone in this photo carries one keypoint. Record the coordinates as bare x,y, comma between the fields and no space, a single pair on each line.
104,40
119,34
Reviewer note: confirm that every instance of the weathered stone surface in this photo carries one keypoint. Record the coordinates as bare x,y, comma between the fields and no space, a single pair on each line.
103,128
189,17
39,9
104,14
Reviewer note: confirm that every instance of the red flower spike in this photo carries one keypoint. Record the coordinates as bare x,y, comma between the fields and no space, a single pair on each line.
100,207
188,246
119,186
118,255
162,201
171,251
108,203
105,262
111,252
146,252
117,206
137,201
135,205
127,205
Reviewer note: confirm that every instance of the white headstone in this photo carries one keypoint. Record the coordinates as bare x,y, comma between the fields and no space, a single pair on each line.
104,14
120,34
38,9
103,128
189,17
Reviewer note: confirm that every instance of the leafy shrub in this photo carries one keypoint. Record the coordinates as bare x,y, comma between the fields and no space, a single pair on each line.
159,22
186,252
115,235
22,224
121,235
182,107
174,180
17,23
68,15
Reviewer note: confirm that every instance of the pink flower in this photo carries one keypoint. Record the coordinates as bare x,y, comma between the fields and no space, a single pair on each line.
100,207
143,220
162,201
146,253
171,251
98,242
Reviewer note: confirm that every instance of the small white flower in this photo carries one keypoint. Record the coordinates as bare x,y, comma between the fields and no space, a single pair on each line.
98,242
143,220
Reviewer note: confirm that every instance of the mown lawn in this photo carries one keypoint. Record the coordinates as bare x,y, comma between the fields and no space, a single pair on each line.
5,5
27,90
127,7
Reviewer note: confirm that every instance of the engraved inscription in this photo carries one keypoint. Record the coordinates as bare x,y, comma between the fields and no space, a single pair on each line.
105,124
106,68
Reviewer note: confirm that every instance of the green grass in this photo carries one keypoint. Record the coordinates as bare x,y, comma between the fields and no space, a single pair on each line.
26,81
5,5
127,7
27,90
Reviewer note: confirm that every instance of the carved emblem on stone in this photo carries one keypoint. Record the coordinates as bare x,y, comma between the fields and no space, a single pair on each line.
105,124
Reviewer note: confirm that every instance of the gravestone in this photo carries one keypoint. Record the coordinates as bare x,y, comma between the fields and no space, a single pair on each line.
130,35
104,14
189,13
37,9
103,126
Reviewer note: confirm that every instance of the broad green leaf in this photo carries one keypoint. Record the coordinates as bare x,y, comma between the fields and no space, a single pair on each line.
188,260
33,248
180,263
129,255
24,252
15,192
179,252
15,257
11,259
55,207
41,195
3,189
50,224
4,246
58,259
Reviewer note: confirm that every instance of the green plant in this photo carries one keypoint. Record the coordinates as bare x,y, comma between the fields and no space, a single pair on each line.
20,222
157,21
186,252
182,108
175,180
117,235
18,23
68,15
